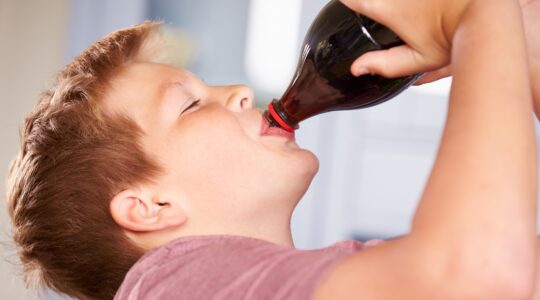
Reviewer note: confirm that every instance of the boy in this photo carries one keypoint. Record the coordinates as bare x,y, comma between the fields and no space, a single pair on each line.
125,157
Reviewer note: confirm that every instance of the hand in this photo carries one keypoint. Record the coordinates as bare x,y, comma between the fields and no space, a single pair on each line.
531,20
426,26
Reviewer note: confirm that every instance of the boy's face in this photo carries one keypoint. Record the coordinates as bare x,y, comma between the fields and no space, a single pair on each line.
214,155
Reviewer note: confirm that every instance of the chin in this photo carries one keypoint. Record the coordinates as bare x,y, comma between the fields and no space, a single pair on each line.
307,164
306,171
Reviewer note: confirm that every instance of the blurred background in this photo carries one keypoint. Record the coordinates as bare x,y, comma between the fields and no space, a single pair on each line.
373,163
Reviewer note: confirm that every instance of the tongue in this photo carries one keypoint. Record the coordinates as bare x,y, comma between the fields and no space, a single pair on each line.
273,130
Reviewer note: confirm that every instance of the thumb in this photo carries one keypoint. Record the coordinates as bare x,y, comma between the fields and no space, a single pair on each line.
434,75
394,62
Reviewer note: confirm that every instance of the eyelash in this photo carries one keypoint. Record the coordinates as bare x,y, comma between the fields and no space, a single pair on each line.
193,104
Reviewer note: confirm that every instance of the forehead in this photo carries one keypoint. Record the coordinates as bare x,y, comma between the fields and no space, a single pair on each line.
140,80
145,74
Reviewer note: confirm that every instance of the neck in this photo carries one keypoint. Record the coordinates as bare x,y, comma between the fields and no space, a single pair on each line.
275,229
275,233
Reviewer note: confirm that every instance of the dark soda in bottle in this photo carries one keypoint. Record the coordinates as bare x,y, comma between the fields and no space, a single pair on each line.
323,81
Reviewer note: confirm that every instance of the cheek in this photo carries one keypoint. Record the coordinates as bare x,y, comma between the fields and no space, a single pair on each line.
213,152
215,169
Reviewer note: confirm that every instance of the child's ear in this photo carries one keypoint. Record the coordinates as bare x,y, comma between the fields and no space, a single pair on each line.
137,211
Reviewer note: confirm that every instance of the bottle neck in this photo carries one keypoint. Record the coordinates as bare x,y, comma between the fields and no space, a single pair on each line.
278,117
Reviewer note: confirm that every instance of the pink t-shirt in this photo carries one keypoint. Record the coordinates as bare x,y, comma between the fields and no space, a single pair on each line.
231,267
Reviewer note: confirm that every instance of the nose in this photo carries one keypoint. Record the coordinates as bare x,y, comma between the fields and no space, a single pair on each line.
239,97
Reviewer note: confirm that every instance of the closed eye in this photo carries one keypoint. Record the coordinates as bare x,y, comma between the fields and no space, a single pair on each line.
193,104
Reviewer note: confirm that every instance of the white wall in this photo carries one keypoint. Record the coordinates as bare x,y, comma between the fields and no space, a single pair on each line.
32,43
373,165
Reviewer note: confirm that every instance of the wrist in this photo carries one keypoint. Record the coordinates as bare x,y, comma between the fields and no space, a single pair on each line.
453,17
479,20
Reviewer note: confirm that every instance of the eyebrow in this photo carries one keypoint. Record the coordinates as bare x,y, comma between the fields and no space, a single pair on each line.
169,84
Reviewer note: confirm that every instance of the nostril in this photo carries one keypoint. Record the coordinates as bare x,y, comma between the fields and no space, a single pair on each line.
243,102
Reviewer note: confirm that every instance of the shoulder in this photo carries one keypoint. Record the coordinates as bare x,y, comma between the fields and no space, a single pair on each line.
230,267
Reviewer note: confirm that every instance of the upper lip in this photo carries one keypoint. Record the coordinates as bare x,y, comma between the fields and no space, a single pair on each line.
264,124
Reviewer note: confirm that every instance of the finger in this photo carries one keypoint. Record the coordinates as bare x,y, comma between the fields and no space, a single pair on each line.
361,6
394,62
434,75
371,8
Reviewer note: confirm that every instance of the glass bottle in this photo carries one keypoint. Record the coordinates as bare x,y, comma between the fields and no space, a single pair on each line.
323,81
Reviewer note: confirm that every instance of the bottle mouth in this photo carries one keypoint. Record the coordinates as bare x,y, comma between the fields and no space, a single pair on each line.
278,119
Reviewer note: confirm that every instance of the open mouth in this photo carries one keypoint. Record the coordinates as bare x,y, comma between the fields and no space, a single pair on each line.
267,130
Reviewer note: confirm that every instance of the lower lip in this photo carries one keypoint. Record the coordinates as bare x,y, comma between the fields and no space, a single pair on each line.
267,130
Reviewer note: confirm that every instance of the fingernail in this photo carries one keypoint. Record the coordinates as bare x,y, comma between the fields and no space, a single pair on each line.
361,71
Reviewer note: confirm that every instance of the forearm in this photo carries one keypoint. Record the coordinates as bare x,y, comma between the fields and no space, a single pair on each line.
536,89
536,295
479,205
531,15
